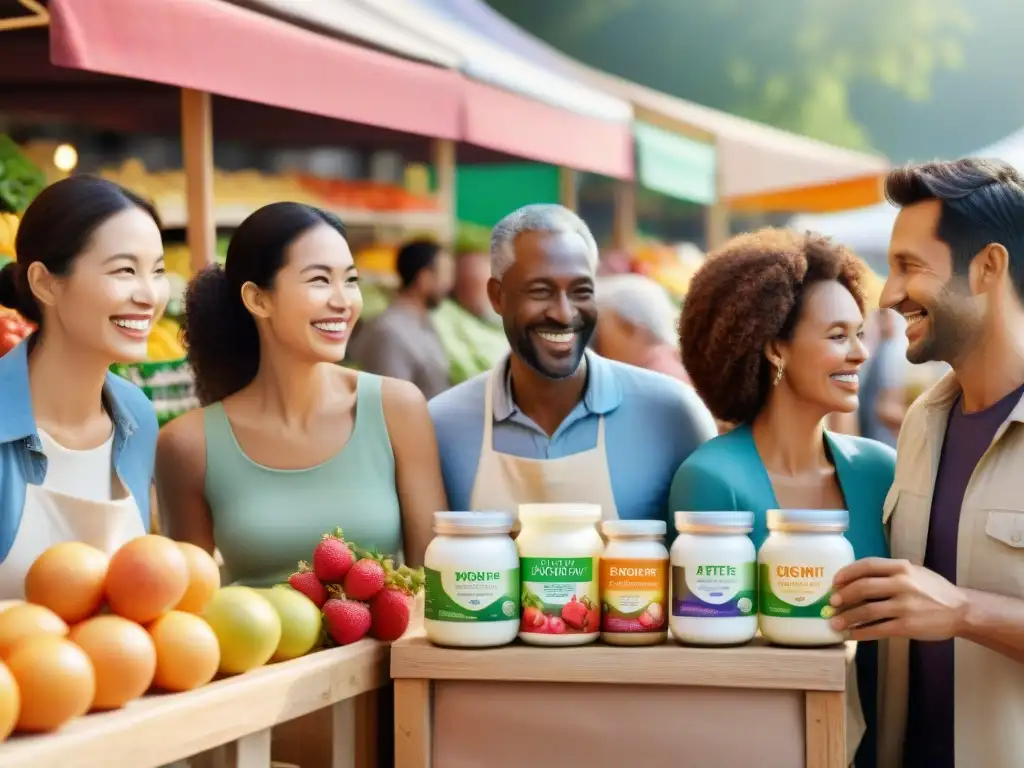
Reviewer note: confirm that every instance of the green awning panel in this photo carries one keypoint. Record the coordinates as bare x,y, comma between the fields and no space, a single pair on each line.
487,193
675,165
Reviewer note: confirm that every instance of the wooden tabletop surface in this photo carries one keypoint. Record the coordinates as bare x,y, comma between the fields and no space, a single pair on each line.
755,665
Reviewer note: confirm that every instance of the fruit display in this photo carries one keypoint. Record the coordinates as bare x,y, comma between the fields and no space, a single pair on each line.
247,627
97,632
8,232
13,330
164,342
359,593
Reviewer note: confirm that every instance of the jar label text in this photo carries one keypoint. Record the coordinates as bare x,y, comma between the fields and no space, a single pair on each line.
560,595
463,595
714,590
633,595
796,590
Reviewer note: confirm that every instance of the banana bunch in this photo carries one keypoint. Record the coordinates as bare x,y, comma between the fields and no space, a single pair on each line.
163,343
8,231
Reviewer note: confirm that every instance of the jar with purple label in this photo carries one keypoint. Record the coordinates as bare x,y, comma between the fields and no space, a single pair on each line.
714,578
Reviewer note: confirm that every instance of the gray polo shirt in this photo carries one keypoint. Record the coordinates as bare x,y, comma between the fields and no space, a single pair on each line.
403,343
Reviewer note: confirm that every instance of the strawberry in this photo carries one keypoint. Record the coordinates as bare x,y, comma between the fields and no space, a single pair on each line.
347,620
574,614
368,575
332,558
391,606
306,582
390,612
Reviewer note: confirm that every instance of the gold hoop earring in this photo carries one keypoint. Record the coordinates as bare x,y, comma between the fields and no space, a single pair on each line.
778,376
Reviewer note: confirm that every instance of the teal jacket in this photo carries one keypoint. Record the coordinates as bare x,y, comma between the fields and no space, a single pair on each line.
726,473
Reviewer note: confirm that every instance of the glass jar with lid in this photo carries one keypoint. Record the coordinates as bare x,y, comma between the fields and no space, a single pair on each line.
560,551
472,580
714,578
804,550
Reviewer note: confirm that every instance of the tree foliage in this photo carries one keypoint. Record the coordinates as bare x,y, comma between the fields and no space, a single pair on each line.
789,63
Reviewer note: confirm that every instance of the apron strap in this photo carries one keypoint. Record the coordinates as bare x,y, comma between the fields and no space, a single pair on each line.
488,441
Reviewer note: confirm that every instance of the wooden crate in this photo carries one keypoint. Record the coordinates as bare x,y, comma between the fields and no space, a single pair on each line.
226,724
515,705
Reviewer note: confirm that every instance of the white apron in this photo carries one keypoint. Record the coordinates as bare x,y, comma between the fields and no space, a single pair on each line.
503,481
50,517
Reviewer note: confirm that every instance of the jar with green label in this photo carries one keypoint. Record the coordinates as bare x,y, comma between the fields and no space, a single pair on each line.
472,580
559,554
804,550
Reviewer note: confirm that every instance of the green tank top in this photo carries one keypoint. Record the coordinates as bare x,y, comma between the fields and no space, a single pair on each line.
266,520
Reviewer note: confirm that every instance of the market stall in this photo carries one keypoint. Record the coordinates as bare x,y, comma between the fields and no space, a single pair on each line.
752,705
752,167
229,720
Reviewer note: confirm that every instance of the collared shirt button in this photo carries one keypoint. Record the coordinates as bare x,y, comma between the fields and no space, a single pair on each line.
1015,538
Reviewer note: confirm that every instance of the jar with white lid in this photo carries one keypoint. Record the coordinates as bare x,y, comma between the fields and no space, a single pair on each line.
804,550
472,581
714,578
634,582
559,553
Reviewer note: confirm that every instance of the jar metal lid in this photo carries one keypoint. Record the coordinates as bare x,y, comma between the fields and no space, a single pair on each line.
566,513
704,521
809,520
616,529
472,523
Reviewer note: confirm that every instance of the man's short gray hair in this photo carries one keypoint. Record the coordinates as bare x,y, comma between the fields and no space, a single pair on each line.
541,217
640,301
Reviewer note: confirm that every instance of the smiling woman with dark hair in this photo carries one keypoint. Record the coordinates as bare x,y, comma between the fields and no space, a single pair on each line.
76,441
291,445
771,335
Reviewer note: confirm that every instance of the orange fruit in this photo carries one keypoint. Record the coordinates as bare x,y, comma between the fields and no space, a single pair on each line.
122,655
56,682
68,579
187,652
203,579
28,620
10,702
147,577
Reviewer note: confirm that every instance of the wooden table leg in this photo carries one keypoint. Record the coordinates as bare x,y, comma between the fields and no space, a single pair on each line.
343,734
826,729
250,751
366,730
413,726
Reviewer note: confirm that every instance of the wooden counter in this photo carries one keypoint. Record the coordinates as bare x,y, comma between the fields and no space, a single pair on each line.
710,704
237,712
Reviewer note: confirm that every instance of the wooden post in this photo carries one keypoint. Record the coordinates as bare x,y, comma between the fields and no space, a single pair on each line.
717,215
413,724
567,188
826,733
624,214
443,151
197,152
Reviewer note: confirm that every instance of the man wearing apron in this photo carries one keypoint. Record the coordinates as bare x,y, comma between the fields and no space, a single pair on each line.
554,422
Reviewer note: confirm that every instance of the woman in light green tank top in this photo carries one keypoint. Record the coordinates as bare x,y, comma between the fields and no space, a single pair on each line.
291,445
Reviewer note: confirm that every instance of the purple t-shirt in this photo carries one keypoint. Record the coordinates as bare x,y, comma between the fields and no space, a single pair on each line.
929,740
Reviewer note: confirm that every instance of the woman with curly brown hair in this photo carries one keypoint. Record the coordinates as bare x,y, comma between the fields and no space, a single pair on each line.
771,337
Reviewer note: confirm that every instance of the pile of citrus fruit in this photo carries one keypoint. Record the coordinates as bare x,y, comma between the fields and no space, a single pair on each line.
96,632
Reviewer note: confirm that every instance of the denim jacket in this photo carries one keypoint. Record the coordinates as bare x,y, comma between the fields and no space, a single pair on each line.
21,457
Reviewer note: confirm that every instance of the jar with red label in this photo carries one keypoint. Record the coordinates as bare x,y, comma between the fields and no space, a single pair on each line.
634,583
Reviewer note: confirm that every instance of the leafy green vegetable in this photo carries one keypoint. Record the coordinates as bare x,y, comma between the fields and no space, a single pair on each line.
20,179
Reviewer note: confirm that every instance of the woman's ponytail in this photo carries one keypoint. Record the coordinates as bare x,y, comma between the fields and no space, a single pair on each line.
15,293
220,335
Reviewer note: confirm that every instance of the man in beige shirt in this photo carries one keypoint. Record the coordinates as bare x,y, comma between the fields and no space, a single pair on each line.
950,604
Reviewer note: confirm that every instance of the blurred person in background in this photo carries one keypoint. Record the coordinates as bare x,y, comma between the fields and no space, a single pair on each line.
883,383
469,328
402,342
637,324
